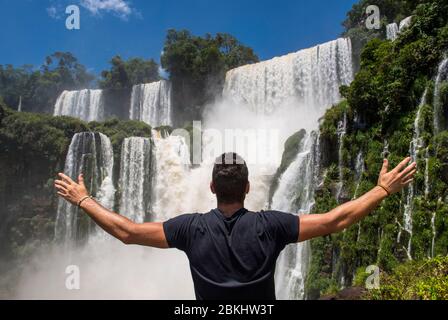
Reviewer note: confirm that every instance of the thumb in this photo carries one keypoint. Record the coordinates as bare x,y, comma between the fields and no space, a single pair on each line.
385,167
81,180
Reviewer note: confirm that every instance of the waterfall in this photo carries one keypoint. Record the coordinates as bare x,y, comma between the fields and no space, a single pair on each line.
392,31
360,168
309,77
341,132
442,75
91,154
19,107
295,193
405,23
414,147
172,175
84,104
135,178
151,103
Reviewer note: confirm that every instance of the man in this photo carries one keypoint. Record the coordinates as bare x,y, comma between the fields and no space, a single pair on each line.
233,251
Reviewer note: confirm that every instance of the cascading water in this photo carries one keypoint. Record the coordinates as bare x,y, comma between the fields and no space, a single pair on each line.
341,132
135,178
442,75
393,29
295,193
310,77
19,107
171,181
414,148
406,22
151,103
84,104
91,154
360,168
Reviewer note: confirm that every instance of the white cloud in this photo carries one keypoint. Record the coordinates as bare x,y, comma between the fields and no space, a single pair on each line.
120,8
54,12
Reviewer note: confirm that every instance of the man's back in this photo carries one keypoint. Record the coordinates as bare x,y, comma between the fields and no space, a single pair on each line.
233,258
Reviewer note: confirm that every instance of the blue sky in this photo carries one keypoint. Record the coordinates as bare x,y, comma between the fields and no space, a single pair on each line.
32,29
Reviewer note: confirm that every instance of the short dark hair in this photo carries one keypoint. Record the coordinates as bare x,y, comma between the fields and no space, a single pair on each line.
230,178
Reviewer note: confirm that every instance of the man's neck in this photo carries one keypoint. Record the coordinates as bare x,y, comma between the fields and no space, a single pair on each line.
228,209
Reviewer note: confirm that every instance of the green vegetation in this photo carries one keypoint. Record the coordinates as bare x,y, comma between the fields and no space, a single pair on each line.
125,74
415,280
197,67
39,88
381,106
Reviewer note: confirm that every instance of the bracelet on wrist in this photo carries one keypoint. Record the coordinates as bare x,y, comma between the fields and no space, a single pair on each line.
83,199
385,189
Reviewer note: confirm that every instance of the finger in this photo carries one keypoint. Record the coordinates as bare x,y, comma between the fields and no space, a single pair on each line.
61,188
61,183
385,166
408,182
61,194
66,178
402,164
410,175
408,169
81,180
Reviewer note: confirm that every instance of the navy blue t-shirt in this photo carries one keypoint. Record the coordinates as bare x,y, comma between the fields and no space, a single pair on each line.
233,258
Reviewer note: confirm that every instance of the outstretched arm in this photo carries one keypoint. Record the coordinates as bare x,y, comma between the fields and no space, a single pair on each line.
125,230
347,214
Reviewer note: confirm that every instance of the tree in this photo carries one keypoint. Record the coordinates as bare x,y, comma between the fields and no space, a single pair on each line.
39,88
197,67
125,74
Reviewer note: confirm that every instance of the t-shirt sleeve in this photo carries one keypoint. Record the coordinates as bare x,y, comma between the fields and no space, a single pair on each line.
177,231
283,226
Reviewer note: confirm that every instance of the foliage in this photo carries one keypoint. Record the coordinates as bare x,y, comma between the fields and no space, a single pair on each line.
197,67
423,280
125,74
39,88
381,106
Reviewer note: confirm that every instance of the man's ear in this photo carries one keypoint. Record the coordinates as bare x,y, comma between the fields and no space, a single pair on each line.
247,187
212,188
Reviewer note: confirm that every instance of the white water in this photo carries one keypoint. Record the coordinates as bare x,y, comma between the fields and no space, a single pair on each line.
135,178
19,107
405,23
341,132
393,29
151,103
295,194
85,104
91,154
442,75
171,181
414,148
311,77
360,168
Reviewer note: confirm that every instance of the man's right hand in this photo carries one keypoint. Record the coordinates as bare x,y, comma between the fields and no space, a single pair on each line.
399,177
